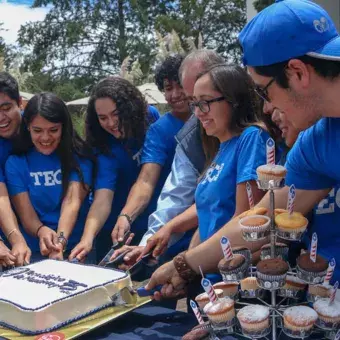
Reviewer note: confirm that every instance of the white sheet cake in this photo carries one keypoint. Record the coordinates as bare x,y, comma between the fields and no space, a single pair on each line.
49,294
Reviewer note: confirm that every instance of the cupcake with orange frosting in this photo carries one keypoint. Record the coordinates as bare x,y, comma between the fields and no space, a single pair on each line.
291,226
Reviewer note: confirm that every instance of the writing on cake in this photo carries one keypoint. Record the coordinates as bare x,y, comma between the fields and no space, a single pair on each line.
65,286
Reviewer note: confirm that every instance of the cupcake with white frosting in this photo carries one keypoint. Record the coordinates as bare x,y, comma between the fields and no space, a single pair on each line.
328,313
299,321
254,320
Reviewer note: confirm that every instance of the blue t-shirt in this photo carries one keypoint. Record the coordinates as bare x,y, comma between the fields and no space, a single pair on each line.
159,147
5,150
153,114
40,176
313,164
120,170
235,163
327,215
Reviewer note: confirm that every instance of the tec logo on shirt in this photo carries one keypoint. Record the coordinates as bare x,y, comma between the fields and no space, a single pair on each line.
213,173
46,178
330,203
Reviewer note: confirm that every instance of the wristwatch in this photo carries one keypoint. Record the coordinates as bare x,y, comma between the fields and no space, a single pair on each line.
62,239
183,269
129,219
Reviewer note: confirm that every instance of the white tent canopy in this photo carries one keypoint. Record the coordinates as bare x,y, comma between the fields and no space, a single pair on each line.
26,95
149,90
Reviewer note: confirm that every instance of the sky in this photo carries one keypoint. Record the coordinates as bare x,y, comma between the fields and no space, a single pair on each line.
14,13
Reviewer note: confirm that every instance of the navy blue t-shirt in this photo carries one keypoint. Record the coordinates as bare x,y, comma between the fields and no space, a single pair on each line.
40,176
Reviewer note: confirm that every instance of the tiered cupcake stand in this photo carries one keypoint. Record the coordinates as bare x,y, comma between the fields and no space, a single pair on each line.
276,308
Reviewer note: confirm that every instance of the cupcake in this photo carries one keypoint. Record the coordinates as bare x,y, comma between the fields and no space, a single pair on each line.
291,226
281,251
316,292
270,175
199,332
279,211
246,252
254,320
254,211
271,273
230,288
293,288
203,299
233,269
309,271
250,288
329,314
221,313
298,321
255,227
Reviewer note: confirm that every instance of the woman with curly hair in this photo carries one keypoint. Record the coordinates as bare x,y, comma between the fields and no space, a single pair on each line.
49,177
159,147
137,162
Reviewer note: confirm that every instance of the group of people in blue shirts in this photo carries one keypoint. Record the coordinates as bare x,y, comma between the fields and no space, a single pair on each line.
176,181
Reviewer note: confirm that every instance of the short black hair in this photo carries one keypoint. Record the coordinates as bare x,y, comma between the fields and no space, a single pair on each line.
9,86
169,70
329,69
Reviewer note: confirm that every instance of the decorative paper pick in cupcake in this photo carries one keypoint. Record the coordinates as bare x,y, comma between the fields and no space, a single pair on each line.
250,195
333,294
314,247
207,286
291,199
196,312
330,271
270,148
337,335
226,248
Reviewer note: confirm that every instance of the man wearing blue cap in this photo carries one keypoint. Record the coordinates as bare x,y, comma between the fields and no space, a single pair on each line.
292,52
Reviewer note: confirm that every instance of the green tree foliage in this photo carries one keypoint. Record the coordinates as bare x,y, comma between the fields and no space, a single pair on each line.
261,4
217,21
92,38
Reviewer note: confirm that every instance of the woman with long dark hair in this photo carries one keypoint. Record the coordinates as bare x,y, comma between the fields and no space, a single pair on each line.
49,177
134,157
227,107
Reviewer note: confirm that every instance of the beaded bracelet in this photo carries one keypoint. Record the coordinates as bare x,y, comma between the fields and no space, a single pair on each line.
129,219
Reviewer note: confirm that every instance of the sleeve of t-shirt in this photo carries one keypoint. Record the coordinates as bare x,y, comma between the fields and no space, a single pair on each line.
107,172
305,164
251,153
153,114
154,148
86,168
2,176
16,172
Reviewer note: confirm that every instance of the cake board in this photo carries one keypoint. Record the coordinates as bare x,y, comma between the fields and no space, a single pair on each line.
80,327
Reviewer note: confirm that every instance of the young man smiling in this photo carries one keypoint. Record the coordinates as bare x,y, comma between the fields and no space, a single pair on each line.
10,119
292,51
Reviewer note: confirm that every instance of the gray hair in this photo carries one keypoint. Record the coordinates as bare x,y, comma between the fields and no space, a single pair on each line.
206,58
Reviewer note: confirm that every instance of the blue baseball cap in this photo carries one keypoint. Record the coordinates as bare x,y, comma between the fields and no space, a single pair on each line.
288,29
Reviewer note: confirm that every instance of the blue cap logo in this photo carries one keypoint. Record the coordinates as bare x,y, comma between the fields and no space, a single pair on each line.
321,25
224,240
193,304
205,282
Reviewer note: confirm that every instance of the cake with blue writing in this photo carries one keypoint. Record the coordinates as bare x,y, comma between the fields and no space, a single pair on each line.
49,294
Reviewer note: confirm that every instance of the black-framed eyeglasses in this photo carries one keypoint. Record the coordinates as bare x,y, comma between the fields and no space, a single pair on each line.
262,92
204,105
